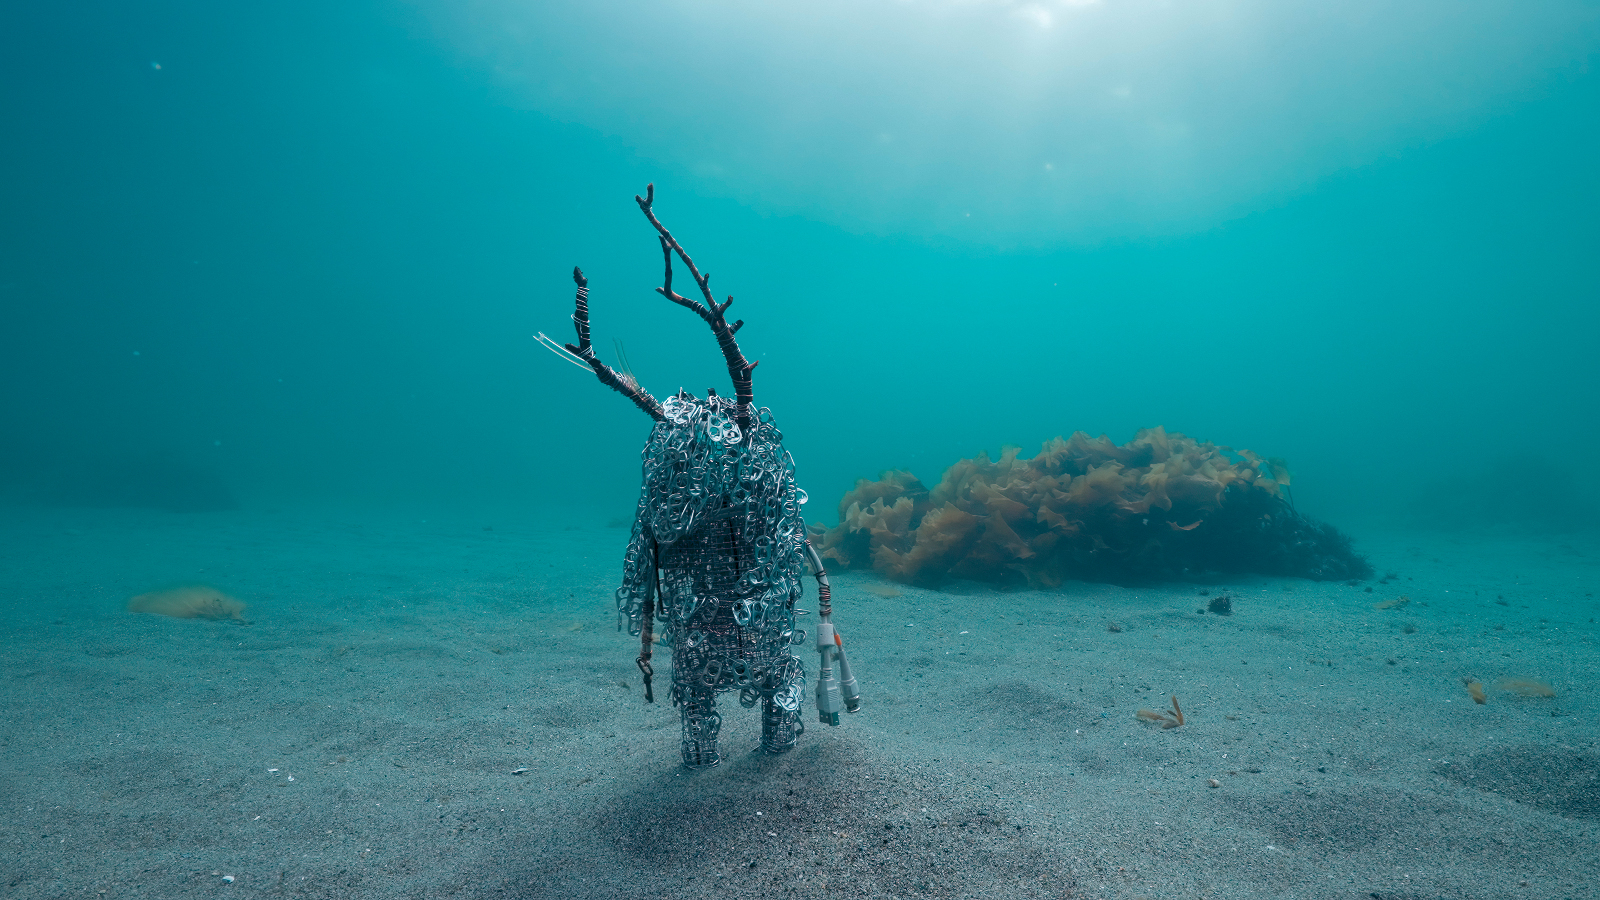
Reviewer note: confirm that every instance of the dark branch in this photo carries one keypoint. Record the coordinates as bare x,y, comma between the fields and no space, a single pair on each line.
583,350
712,312
580,317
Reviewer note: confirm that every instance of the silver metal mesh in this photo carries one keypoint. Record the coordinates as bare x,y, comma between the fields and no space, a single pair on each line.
719,529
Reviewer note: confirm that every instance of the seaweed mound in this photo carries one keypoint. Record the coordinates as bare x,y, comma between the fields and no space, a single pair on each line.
1162,506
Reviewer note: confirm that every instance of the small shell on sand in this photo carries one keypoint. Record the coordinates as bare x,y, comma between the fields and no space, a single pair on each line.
196,601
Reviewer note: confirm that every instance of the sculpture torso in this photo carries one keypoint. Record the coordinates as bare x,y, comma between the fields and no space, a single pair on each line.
719,532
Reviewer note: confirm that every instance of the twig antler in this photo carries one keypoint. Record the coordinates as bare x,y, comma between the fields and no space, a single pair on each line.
714,313
711,311
583,352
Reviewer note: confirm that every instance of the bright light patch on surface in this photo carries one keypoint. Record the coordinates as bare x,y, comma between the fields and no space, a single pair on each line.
1036,14
1159,117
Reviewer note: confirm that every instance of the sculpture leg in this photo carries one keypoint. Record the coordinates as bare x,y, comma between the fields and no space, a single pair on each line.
781,724
700,726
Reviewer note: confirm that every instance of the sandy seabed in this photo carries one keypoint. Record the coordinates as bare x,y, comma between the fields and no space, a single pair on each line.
430,705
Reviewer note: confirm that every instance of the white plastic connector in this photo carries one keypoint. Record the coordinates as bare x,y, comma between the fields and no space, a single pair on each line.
829,700
847,680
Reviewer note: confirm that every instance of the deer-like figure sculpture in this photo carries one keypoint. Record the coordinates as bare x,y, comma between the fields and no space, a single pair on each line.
719,546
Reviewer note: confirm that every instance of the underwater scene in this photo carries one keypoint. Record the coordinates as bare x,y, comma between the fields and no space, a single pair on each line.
1091,449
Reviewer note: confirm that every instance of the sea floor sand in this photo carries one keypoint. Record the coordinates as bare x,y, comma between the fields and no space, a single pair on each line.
361,732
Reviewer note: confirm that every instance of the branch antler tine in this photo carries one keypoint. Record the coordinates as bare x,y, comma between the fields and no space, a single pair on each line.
583,354
712,311
580,313
666,280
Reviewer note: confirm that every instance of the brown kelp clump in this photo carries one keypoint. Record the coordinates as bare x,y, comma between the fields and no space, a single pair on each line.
1160,506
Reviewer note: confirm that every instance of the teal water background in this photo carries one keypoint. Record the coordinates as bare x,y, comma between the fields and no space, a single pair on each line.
301,249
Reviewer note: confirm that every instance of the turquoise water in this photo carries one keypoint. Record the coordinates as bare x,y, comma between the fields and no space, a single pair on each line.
302,249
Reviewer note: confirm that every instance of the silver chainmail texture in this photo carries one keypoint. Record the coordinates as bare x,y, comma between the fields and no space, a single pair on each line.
719,534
